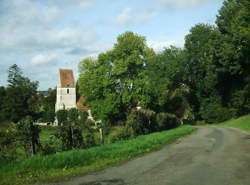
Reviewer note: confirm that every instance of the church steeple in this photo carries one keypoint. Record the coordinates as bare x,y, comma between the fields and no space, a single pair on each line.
66,92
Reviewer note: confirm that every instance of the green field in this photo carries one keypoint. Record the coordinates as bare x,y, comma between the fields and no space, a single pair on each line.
242,123
75,162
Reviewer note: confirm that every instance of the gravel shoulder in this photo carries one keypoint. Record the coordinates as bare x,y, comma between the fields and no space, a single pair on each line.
211,155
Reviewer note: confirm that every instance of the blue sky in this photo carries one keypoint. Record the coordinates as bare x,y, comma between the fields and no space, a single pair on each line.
42,36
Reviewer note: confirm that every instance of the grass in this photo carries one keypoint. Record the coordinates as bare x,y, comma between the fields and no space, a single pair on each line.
242,123
46,132
76,162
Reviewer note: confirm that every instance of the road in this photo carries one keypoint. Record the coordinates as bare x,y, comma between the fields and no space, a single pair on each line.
210,156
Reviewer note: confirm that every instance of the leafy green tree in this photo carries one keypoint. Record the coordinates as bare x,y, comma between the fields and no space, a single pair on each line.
21,96
114,83
234,22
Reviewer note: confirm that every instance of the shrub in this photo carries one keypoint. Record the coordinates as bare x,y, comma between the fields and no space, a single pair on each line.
141,121
83,116
61,116
167,121
88,137
215,113
51,146
28,135
120,133
200,122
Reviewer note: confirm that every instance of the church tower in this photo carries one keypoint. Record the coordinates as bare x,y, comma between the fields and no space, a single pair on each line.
66,92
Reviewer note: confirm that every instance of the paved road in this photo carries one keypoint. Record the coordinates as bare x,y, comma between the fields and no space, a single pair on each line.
210,156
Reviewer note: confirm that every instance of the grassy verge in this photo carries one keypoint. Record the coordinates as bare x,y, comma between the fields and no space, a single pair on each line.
242,123
76,162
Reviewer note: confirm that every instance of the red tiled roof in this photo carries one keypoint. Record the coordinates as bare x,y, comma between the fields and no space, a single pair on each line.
67,78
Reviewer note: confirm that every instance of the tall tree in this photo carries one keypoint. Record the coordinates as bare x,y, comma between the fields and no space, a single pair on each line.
21,96
113,84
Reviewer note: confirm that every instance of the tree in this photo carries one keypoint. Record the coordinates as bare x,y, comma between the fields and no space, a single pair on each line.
218,63
21,96
233,22
2,98
114,83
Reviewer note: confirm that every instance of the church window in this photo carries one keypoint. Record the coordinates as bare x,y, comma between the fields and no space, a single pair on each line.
67,91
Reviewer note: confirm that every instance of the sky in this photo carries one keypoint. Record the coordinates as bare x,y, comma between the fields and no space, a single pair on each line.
43,36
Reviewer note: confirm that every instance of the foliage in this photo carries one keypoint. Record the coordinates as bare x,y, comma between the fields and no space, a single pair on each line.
88,137
2,97
70,132
218,64
21,96
120,133
141,121
51,145
48,106
8,145
83,161
62,116
83,116
28,136
75,130
166,121
113,84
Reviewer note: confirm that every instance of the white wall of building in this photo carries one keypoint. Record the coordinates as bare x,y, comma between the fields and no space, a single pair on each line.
65,98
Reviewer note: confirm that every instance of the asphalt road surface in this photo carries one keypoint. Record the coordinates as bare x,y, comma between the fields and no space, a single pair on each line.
210,156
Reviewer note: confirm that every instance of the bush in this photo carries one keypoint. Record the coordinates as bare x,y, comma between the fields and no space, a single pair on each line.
141,121
88,137
61,116
200,122
51,146
120,133
166,121
215,113
83,116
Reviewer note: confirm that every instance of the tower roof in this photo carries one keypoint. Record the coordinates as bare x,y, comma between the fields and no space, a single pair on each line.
66,78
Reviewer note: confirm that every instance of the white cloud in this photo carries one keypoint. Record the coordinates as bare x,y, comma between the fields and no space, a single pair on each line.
44,59
27,25
128,17
183,3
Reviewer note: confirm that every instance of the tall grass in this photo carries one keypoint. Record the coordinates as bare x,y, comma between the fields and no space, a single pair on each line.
39,168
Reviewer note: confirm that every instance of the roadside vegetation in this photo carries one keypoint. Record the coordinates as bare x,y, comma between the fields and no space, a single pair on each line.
75,162
242,123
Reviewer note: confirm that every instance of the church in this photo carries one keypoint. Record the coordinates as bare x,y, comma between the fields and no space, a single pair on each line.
66,91
66,94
